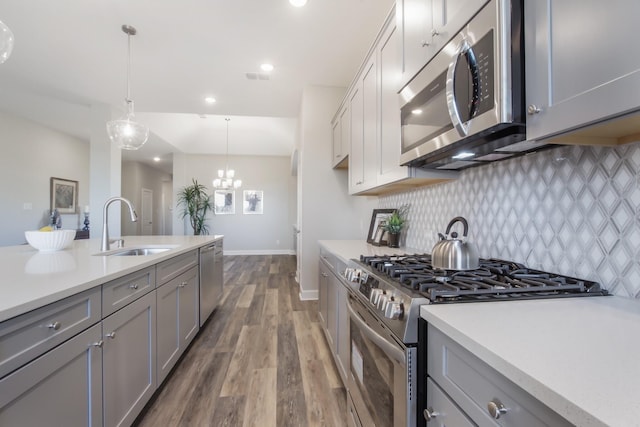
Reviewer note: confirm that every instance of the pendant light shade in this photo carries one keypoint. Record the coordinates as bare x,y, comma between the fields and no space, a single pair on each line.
6,42
126,132
226,178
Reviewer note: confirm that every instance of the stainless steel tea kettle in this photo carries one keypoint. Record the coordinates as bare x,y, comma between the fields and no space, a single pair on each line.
454,253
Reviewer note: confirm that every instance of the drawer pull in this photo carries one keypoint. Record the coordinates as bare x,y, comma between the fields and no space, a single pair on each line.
182,285
496,408
133,286
111,335
429,414
54,325
98,344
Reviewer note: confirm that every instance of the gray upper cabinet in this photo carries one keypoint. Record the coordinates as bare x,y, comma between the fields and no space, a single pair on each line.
426,26
582,67
129,360
63,387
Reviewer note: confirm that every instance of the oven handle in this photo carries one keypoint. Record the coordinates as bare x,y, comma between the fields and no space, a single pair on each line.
389,349
452,106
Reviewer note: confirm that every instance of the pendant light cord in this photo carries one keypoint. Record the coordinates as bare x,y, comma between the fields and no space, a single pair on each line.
128,68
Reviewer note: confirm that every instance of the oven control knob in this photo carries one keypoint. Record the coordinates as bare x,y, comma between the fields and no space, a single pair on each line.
382,301
375,296
394,310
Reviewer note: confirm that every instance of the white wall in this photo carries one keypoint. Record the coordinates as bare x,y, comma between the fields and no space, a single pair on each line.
270,232
326,209
135,177
31,155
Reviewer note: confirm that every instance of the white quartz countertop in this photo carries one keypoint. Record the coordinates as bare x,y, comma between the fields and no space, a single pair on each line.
348,249
578,356
32,279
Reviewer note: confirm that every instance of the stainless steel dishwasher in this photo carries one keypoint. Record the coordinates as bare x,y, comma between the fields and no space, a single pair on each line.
211,279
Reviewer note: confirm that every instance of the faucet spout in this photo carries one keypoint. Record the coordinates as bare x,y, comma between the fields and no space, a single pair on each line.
104,246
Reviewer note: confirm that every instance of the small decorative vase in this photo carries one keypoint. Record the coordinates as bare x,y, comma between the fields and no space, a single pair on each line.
393,240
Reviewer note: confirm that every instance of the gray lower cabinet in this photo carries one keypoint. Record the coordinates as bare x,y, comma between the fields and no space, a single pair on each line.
177,319
129,362
460,383
63,387
323,284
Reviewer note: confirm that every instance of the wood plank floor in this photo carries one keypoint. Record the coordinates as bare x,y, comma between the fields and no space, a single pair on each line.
261,359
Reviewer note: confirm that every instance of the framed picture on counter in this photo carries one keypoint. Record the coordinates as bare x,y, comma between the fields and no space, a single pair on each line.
376,228
64,195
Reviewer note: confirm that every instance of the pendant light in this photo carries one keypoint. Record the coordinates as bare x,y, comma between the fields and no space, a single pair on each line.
126,132
6,42
225,179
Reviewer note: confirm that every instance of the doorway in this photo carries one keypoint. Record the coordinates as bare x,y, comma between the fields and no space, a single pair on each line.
146,226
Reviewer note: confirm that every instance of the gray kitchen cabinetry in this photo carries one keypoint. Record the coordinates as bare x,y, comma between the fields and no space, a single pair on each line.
177,319
340,137
129,360
576,76
425,27
374,164
476,390
336,326
62,387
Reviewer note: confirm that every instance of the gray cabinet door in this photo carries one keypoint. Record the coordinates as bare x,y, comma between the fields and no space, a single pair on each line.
344,344
323,279
177,303
577,74
129,360
63,387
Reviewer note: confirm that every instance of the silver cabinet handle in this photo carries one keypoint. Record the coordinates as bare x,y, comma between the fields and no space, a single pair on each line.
98,344
424,43
434,33
54,325
182,285
133,286
324,274
496,408
111,335
533,109
429,414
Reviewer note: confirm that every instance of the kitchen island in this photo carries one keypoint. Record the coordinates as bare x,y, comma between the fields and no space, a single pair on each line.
105,328
32,279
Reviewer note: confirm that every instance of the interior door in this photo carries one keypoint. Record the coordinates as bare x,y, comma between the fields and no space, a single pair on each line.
146,227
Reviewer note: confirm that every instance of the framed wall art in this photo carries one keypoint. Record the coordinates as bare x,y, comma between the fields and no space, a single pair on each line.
376,228
224,202
252,202
64,195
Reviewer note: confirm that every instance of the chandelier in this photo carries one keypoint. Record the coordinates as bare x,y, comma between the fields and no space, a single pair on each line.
6,42
126,132
226,178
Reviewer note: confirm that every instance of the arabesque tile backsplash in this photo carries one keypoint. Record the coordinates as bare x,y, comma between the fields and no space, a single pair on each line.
572,210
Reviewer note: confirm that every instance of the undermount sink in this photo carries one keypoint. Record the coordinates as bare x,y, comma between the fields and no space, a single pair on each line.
139,251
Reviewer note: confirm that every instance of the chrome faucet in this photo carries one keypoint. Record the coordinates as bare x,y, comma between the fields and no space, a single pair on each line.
105,220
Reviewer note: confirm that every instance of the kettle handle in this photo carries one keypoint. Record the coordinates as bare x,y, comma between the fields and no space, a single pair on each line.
464,224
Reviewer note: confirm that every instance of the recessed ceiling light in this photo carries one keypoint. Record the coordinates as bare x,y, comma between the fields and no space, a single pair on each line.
266,67
156,159
210,100
298,3
417,112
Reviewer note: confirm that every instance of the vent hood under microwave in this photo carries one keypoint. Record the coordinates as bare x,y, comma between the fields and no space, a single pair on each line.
466,107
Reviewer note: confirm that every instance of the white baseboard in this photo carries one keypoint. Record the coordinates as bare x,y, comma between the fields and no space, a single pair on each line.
308,295
261,252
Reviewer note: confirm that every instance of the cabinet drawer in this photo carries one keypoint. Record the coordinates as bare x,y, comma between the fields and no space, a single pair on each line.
474,385
26,337
442,410
120,292
173,267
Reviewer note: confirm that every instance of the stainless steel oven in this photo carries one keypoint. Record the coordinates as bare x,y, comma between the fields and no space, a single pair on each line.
382,375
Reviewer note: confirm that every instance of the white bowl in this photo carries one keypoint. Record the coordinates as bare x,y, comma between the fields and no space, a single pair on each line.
49,241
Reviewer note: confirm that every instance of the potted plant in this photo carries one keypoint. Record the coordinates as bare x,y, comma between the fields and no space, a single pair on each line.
394,226
195,203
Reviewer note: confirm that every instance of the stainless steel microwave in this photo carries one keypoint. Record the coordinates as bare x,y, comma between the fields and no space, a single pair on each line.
466,107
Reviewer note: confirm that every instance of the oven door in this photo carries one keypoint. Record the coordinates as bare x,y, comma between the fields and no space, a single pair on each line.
382,377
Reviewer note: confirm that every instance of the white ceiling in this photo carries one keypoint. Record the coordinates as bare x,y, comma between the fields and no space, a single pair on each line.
71,54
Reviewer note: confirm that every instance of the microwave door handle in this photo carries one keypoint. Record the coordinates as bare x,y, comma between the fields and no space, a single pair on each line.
452,106
390,350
